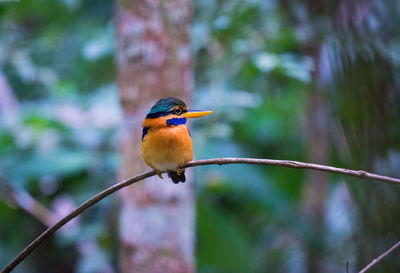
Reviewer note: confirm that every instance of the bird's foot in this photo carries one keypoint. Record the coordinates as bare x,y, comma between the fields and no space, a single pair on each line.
179,171
159,174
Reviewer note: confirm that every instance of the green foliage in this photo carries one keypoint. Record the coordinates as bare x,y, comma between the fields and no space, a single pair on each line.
257,63
266,49
58,143
225,247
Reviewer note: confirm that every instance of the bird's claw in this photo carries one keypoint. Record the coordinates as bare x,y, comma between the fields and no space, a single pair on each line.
179,171
159,174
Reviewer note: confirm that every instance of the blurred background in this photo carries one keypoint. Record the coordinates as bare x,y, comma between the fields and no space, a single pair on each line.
314,81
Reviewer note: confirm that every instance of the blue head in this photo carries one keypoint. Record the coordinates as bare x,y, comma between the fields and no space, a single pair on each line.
169,112
167,106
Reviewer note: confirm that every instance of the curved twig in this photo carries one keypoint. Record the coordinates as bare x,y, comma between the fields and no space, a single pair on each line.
219,161
377,260
293,164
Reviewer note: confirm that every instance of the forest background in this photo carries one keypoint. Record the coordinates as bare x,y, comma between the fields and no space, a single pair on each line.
314,81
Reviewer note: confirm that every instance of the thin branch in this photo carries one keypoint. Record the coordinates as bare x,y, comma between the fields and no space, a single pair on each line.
293,164
51,230
377,260
219,161
23,200
8,100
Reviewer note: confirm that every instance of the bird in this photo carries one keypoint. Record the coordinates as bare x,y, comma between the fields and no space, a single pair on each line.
166,140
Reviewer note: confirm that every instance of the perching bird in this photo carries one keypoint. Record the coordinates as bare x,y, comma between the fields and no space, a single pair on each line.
166,141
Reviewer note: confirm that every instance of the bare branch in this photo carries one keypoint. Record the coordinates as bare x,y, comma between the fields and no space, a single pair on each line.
8,100
377,260
292,164
32,206
218,161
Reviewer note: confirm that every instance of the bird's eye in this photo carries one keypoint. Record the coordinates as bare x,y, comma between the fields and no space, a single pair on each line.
178,111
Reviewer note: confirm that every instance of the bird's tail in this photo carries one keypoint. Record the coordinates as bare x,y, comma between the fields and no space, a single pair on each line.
176,178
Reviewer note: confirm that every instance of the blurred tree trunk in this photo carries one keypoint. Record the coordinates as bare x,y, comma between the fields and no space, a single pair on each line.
370,126
318,152
153,61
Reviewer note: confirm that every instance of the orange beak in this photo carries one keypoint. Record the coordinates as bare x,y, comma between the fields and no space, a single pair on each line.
196,113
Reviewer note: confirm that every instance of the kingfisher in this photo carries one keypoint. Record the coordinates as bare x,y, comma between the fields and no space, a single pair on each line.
166,140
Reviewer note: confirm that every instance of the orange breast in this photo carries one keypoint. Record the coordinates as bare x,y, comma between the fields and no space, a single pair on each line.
167,148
